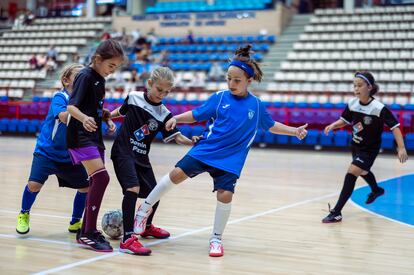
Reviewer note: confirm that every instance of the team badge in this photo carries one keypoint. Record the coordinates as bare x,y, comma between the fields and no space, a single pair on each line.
142,132
152,124
250,114
357,127
367,120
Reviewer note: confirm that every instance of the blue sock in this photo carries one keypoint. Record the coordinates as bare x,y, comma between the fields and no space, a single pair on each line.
78,206
28,199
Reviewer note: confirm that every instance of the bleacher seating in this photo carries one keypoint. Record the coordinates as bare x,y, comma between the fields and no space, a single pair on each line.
337,43
19,44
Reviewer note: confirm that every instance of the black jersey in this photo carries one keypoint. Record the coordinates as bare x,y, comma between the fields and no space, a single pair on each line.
143,120
88,95
367,122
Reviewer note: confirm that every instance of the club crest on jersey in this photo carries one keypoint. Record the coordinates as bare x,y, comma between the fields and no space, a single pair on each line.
367,120
142,132
357,127
152,124
250,114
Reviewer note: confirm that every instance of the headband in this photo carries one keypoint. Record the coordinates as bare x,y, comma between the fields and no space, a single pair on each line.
364,78
244,66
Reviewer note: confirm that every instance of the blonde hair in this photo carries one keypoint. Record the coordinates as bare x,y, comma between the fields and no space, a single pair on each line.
69,70
162,73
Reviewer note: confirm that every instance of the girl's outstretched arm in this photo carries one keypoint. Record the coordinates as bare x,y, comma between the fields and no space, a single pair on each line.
186,117
282,129
335,125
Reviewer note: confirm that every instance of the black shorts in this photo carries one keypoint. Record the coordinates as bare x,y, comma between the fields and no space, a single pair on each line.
129,175
222,179
363,159
68,175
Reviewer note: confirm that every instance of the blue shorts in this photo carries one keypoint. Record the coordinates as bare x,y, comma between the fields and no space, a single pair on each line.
222,179
68,175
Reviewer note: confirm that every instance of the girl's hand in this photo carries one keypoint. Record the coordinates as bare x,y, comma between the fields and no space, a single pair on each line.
111,126
171,123
328,129
195,139
301,131
106,114
402,155
89,124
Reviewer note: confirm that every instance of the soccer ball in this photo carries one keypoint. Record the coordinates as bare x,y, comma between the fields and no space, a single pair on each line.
112,223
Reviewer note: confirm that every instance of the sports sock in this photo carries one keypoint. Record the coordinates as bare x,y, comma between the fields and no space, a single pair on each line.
160,189
347,189
372,182
79,203
220,220
154,208
99,182
128,213
28,199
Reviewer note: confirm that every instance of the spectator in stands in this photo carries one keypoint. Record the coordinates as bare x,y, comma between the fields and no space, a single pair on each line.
33,63
51,157
234,117
135,35
51,64
161,58
52,52
75,57
28,18
41,60
42,10
142,64
152,37
216,73
367,116
190,37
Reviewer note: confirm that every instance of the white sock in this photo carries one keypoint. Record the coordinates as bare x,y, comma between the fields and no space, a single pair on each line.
220,220
163,186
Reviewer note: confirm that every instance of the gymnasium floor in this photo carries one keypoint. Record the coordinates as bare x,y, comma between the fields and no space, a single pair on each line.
275,226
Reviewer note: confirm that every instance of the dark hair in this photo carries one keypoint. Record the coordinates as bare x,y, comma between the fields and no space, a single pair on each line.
243,54
371,79
109,49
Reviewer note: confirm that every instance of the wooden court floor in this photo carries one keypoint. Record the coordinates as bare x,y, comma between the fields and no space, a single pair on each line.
275,225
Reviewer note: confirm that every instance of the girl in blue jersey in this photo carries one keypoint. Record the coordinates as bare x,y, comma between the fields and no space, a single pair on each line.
84,135
51,158
234,117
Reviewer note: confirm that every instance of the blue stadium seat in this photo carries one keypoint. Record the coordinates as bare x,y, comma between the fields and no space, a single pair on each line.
387,140
269,138
4,122
282,139
186,130
326,140
33,126
341,138
312,137
23,125
409,141
12,127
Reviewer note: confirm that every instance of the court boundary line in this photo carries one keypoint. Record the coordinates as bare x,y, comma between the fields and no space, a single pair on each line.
379,215
189,233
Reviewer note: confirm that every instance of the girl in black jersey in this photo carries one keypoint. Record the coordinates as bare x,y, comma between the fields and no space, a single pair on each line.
367,117
84,135
145,116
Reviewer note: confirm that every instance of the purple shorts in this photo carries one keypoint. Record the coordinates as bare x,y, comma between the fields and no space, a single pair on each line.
86,153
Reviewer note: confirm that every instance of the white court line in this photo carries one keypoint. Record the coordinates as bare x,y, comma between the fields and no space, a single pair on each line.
192,232
11,236
14,212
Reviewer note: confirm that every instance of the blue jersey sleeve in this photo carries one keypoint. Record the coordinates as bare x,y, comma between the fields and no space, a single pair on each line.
208,109
58,104
81,86
265,120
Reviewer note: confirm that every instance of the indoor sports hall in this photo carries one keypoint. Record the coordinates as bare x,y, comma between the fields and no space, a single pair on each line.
314,56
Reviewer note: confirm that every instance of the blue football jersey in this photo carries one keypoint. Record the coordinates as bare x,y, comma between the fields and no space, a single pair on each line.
51,142
232,125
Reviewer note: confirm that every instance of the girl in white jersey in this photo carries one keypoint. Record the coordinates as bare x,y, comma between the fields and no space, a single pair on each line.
234,117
